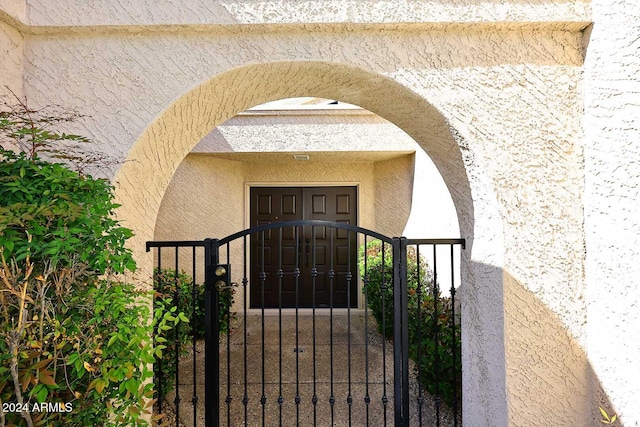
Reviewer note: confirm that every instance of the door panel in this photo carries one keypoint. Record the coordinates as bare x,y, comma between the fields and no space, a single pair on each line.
335,204
330,248
270,205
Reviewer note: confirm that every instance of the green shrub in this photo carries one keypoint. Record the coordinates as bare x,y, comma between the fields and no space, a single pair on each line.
378,281
430,336
91,352
60,208
49,212
165,281
72,331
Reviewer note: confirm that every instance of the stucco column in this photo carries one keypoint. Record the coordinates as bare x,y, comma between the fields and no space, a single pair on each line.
612,208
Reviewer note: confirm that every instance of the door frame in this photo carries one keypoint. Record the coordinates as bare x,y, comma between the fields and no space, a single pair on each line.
247,224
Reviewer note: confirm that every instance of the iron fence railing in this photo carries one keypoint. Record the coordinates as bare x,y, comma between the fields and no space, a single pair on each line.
383,348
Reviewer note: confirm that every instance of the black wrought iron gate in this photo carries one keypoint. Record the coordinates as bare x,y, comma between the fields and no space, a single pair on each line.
387,353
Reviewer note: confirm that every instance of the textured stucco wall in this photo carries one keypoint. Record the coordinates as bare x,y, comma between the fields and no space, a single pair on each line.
154,12
207,197
306,130
393,189
533,333
612,205
497,108
11,60
16,10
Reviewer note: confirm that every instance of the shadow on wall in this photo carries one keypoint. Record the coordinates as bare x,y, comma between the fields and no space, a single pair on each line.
549,380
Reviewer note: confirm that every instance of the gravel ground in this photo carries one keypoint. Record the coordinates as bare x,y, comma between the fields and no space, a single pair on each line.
375,340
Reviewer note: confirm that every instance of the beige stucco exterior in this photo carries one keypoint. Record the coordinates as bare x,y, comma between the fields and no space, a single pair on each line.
208,196
529,116
11,49
611,204
345,147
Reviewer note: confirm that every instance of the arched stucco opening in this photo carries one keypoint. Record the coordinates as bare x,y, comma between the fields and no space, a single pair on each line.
183,124
327,143
142,181
302,145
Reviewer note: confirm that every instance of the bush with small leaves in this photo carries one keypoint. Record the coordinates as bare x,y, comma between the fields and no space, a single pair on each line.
433,333
187,305
72,331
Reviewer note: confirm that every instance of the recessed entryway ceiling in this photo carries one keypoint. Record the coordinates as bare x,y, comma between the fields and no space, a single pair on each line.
307,124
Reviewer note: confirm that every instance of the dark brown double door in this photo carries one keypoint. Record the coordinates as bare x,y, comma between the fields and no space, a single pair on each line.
304,246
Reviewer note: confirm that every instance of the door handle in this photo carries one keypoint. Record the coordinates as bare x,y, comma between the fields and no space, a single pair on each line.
307,249
223,287
307,246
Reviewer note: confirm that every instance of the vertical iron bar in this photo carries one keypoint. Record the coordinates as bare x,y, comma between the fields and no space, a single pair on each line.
332,398
314,274
194,325
263,278
245,281
297,280
159,291
349,275
404,300
436,362
383,293
365,279
212,344
419,332
280,275
176,360
228,309
399,335
454,344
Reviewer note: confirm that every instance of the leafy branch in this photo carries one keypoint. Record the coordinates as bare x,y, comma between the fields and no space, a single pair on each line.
32,131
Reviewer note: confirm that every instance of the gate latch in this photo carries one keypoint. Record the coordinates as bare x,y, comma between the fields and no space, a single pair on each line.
223,278
221,286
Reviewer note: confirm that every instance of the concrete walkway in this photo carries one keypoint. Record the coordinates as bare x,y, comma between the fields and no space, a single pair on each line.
356,362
